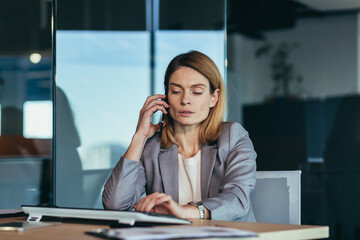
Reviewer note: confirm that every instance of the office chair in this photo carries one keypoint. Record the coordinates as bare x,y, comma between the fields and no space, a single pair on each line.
277,197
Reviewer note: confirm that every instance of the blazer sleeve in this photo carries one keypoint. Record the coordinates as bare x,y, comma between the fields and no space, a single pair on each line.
232,202
125,186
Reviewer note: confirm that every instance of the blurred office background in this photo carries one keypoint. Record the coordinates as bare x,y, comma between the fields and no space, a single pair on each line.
292,70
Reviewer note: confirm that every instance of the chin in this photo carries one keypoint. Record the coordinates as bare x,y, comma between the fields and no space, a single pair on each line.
188,122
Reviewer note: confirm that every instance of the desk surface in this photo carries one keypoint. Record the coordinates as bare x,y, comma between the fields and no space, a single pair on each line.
76,231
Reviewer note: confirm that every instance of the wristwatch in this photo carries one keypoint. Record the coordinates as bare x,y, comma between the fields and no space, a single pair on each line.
200,207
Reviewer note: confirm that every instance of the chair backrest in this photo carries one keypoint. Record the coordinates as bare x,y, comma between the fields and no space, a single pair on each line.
277,197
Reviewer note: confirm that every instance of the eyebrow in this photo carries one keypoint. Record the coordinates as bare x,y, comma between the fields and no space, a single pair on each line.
192,86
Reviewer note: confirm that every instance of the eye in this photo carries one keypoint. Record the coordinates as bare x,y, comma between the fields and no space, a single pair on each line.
175,92
198,91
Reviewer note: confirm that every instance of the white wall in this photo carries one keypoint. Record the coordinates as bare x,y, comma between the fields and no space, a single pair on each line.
328,60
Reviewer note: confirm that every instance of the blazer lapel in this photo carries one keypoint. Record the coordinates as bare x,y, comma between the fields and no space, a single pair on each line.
169,170
208,158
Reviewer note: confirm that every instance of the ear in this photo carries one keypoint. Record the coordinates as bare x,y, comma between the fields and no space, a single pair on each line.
214,98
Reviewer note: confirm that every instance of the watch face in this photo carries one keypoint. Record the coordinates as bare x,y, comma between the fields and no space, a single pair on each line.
193,204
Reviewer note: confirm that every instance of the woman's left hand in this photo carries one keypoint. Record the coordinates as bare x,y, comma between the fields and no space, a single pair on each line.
162,203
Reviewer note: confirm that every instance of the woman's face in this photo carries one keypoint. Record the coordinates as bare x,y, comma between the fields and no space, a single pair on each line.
189,97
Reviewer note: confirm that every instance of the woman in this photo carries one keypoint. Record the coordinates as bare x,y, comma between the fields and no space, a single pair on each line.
199,167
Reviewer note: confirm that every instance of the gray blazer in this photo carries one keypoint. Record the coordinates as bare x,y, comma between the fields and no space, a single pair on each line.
227,175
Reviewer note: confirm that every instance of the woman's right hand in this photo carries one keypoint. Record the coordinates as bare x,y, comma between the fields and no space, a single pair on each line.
152,104
145,128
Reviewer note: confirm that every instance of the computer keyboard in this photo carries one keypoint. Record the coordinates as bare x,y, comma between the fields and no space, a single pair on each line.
161,215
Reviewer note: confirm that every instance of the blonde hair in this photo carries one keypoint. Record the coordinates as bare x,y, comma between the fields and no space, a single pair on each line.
211,127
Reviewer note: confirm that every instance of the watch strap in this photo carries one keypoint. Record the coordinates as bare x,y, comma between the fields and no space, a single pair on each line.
201,208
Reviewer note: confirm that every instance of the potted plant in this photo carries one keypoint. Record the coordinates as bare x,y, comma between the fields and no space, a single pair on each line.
283,71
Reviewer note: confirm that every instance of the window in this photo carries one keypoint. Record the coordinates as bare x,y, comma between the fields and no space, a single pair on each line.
104,73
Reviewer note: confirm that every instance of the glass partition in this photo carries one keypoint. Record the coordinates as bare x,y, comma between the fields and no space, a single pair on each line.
26,126
170,43
109,58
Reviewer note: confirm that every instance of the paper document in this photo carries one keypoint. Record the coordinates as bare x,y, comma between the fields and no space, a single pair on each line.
146,233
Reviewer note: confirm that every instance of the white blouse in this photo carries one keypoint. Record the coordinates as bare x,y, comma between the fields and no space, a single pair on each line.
189,179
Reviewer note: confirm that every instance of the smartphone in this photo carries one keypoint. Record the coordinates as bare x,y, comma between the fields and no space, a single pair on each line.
22,226
162,119
161,124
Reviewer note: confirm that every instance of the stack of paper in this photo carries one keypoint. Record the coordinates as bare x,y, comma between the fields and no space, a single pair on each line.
146,233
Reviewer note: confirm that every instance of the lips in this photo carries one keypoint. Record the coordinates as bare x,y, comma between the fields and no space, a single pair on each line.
185,113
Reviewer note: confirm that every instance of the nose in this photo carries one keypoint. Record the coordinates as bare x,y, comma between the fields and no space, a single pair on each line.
185,99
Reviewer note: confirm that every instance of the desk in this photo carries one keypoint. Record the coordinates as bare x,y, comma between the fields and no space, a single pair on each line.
76,231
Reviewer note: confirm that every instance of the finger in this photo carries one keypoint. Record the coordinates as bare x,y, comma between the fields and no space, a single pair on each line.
144,202
156,102
164,199
150,205
145,118
161,209
138,205
152,202
152,98
150,102
149,112
168,205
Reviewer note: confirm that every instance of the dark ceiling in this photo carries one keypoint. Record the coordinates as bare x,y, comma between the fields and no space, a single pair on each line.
25,25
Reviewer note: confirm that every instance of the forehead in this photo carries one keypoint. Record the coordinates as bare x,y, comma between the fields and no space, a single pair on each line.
186,76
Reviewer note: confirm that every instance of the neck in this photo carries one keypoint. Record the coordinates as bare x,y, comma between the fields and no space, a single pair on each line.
188,140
